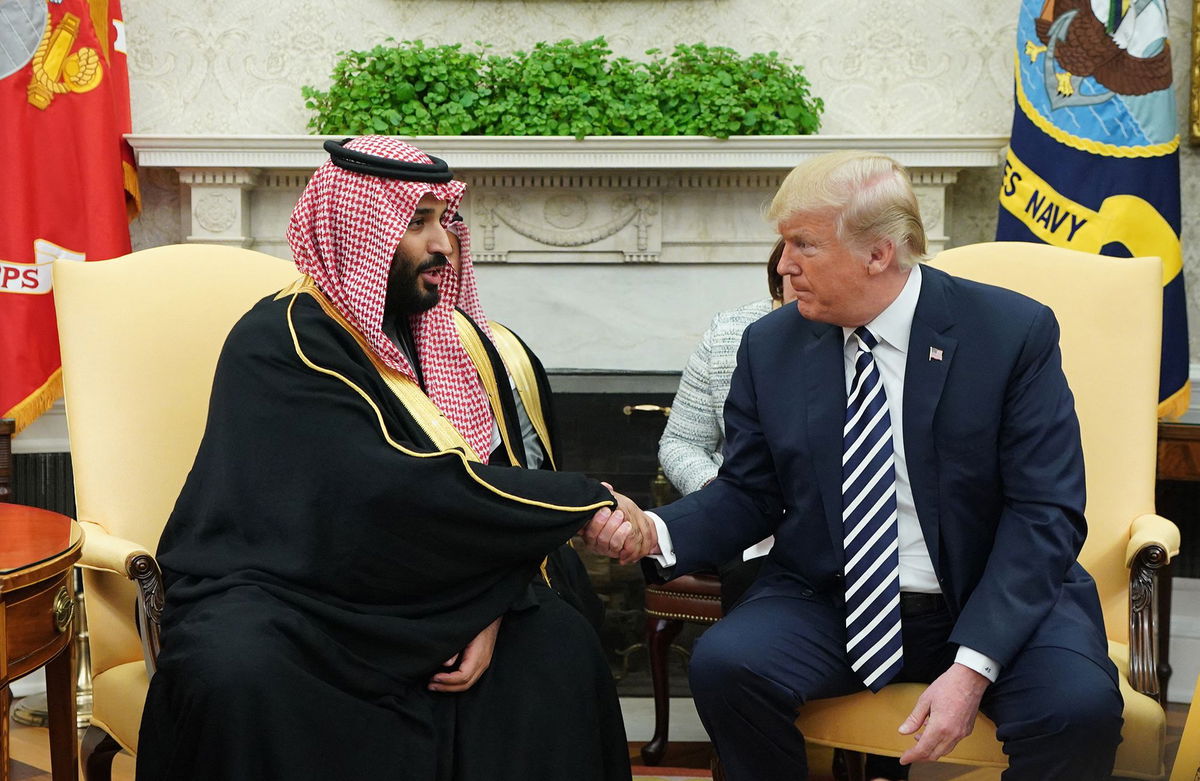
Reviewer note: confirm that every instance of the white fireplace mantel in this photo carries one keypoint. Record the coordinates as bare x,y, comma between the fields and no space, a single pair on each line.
629,244
621,153
220,173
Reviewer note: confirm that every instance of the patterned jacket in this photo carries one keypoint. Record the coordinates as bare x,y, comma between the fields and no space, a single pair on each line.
690,449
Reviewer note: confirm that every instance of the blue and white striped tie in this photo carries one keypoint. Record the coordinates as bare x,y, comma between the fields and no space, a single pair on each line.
869,522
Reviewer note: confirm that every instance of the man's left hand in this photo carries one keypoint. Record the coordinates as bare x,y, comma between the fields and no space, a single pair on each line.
947,710
476,658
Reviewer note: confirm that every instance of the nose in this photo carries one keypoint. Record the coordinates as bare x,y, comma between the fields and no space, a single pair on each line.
787,265
439,241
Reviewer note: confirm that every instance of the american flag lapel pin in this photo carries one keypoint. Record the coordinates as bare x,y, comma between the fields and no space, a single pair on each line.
935,354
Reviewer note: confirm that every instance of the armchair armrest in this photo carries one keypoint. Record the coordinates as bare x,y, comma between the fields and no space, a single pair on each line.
1147,530
108,553
1153,542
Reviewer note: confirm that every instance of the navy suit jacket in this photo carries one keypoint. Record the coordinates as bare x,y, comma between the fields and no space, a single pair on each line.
993,452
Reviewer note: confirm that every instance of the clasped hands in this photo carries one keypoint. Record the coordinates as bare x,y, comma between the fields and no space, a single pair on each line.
626,533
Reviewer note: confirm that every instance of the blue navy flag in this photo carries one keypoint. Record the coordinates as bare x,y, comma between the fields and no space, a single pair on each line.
1093,163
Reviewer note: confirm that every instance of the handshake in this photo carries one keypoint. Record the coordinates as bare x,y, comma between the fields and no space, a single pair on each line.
626,533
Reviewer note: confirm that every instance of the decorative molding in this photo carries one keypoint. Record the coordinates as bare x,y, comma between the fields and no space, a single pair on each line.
568,181
509,175
540,153
642,257
577,225
220,203
218,176
934,176
286,180
489,257
932,202
627,209
565,211
215,212
730,181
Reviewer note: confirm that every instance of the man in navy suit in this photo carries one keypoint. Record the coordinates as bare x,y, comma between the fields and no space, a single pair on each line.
910,440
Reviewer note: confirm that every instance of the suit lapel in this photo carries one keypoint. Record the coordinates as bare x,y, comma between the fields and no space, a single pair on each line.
930,355
826,416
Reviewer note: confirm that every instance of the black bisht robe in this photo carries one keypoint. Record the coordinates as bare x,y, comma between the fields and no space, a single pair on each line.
325,558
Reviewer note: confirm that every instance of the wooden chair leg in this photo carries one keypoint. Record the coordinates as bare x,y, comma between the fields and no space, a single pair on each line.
96,754
660,633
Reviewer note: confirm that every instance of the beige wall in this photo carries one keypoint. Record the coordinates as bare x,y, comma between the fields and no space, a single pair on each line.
882,67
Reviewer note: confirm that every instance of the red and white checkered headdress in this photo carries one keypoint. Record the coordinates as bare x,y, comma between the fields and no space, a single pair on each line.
462,289
344,232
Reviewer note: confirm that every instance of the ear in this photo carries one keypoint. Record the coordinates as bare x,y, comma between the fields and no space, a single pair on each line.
882,256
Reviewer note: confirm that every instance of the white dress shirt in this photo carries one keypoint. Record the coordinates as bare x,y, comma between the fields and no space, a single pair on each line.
892,328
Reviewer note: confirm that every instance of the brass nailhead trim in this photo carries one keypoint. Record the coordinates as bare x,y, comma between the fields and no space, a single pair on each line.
683,595
681,617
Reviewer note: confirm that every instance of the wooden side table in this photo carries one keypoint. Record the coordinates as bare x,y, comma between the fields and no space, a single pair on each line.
1179,451
37,627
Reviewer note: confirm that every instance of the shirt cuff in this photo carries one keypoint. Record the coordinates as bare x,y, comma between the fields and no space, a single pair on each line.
984,665
665,559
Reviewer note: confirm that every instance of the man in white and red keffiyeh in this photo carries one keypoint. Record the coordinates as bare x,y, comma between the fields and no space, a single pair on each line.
359,583
376,247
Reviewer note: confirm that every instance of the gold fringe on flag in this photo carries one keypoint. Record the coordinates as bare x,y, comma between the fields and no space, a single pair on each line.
133,191
1172,407
32,406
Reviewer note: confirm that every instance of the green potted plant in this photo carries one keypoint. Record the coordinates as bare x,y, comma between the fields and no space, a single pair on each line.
568,88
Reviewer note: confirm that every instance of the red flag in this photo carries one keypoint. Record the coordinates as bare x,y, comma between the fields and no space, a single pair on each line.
68,187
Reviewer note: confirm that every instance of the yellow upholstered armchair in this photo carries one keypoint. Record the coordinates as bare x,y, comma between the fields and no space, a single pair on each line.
140,336
1110,311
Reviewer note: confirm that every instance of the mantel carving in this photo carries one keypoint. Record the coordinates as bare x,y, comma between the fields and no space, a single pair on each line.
538,225
561,200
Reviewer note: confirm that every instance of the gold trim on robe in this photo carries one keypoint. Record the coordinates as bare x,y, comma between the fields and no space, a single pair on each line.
473,344
516,360
431,420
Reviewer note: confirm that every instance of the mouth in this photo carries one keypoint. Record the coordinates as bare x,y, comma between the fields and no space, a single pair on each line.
433,272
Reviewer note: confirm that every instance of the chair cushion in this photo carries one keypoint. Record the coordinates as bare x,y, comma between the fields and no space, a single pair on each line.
118,696
867,722
695,598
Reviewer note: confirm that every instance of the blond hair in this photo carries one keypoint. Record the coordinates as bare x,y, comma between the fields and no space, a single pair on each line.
870,194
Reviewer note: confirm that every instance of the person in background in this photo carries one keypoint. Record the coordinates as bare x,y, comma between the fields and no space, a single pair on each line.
690,448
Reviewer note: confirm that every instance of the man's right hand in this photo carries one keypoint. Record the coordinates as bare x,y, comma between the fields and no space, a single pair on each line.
626,534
